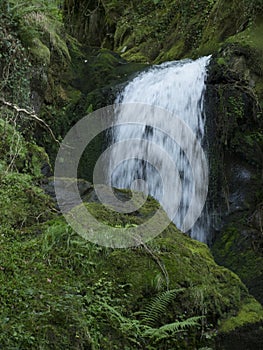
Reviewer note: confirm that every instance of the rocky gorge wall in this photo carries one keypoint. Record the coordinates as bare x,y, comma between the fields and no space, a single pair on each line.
236,162
155,31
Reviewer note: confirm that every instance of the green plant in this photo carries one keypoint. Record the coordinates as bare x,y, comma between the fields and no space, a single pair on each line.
142,331
158,306
20,8
40,28
15,66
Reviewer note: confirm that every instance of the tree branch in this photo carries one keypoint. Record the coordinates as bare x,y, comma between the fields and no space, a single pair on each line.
30,114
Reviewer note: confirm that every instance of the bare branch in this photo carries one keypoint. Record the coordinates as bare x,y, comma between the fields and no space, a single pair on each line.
30,114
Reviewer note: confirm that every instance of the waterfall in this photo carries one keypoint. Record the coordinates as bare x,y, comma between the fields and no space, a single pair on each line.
178,88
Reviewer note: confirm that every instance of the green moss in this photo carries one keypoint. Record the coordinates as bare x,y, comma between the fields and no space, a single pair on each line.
176,51
74,95
22,203
236,252
36,159
39,51
12,145
251,36
174,29
134,56
52,274
40,30
19,155
187,263
221,61
250,312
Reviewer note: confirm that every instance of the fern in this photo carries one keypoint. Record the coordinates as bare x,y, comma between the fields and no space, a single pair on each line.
20,8
113,312
170,329
139,331
132,329
158,306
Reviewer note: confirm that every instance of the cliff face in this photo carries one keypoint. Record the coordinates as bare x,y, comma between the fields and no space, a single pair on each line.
63,292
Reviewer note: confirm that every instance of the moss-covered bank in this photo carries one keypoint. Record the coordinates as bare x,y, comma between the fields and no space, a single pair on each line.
59,291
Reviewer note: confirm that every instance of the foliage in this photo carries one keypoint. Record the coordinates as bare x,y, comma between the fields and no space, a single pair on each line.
248,313
54,296
40,27
61,291
22,202
33,206
171,29
158,306
17,154
15,66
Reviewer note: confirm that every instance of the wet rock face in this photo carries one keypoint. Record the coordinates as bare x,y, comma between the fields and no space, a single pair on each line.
239,179
235,137
234,129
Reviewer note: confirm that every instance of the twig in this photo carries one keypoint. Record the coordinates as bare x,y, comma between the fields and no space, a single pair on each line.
160,263
156,259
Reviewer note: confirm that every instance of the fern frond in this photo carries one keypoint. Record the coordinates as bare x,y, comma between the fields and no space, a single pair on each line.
158,306
131,328
169,329
181,325
118,316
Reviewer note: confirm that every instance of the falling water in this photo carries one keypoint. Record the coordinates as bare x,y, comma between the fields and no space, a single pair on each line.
177,87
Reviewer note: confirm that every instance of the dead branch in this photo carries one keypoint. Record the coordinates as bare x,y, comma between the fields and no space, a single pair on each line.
30,114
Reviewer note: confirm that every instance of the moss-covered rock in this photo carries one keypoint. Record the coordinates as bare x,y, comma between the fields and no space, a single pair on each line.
250,312
49,275
40,51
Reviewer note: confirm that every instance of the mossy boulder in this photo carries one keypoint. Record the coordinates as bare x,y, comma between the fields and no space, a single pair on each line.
40,52
49,274
22,202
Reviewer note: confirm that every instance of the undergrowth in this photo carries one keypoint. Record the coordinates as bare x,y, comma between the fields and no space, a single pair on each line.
53,297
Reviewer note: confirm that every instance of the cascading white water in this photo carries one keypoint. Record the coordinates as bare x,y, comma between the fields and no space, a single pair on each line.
177,87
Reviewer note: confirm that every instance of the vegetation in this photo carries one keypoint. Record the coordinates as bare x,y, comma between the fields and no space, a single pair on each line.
59,291
50,275
155,31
